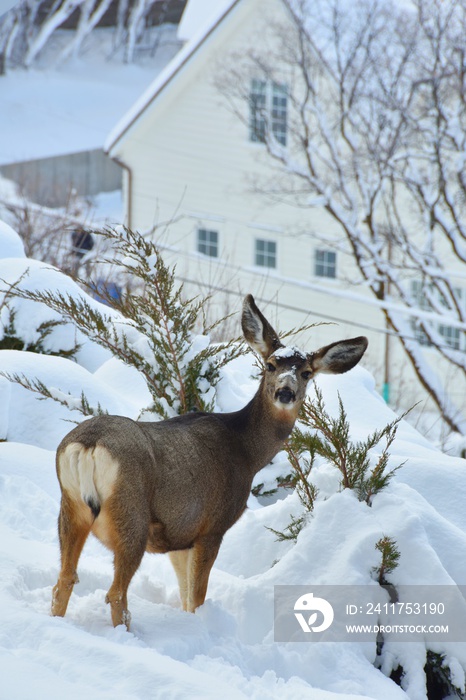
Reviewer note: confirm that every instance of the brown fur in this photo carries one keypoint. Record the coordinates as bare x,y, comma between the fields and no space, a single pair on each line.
177,486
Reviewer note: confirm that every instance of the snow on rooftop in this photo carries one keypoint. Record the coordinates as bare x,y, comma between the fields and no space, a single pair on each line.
6,5
55,110
199,15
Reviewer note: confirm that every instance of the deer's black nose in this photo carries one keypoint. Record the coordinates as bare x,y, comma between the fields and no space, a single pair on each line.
285,395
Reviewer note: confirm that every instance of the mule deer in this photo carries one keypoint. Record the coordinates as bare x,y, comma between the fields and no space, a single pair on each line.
178,485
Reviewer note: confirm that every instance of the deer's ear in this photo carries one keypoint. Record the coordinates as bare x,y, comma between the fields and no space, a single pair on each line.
338,357
258,332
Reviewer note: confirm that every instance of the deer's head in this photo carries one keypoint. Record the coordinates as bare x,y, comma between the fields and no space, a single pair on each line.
287,370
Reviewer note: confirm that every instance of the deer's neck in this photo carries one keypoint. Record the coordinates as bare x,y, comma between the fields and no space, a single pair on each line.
264,429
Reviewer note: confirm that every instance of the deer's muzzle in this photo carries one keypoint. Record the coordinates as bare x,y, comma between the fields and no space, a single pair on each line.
285,395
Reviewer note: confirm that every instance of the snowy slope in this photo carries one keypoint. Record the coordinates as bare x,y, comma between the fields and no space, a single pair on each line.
226,649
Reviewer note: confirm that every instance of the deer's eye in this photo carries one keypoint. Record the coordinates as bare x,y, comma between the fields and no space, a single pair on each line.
270,367
306,375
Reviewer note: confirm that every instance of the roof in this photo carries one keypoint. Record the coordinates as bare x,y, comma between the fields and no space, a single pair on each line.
198,15
62,108
5,6
213,21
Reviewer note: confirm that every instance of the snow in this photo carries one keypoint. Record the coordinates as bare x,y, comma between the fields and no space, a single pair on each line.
199,14
6,5
287,352
34,275
226,648
12,245
72,107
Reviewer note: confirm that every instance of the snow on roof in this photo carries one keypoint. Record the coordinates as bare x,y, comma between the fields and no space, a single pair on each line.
198,15
54,110
6,5
176,64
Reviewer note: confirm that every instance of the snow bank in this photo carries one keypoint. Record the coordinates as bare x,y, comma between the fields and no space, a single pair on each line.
11,245
30,275
44,422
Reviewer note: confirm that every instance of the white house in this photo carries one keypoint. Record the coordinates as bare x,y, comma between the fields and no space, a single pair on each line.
190,167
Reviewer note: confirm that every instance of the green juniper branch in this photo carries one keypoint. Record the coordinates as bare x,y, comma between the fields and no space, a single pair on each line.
329,438
389,561
319,434
154,329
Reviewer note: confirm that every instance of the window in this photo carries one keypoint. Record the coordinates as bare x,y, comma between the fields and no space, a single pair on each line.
423,303
266,253
325,263
268,109
207,242
452,336
279,112
257,102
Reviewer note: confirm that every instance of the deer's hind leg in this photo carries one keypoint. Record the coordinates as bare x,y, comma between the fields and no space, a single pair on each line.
128,538
74,525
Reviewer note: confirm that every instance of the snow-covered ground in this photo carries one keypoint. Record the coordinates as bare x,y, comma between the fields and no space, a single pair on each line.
226,649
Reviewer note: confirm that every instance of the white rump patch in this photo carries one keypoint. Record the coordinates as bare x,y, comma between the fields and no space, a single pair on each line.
87,473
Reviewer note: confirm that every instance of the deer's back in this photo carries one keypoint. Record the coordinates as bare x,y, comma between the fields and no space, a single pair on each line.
188,473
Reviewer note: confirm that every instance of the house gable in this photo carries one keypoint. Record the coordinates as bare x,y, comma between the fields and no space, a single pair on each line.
183,149
192,52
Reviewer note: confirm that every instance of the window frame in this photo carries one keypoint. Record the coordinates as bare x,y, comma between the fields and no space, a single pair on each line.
323,266
267,254
208,247
452,336
268,107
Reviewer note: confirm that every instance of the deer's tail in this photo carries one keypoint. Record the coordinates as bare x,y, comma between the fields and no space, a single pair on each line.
87,474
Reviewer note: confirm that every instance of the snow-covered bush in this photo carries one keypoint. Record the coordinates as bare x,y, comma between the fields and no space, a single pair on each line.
24,325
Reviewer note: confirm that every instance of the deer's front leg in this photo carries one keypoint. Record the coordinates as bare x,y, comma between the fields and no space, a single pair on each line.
180,562
201,559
